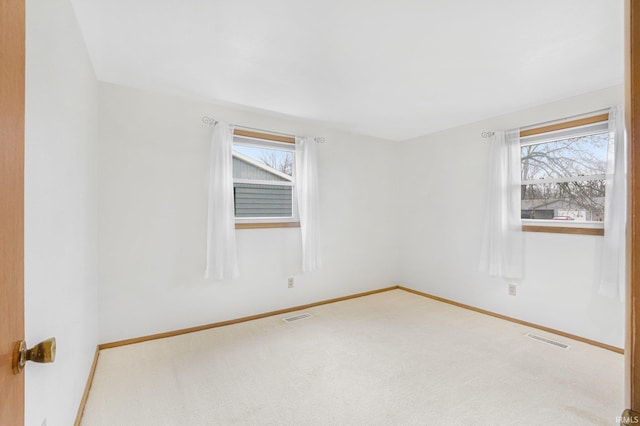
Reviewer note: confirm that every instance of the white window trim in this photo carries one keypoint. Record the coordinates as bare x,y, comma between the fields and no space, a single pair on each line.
563,179
263,182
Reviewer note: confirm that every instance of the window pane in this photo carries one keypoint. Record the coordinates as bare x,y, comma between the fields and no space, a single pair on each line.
255,200
581,201
270,158
263,179
580,156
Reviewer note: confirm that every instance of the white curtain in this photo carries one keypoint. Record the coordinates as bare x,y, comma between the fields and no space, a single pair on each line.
221,234
306,175
502,248
612,278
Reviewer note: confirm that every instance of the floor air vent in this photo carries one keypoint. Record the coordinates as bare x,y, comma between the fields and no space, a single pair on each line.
547,341
297,318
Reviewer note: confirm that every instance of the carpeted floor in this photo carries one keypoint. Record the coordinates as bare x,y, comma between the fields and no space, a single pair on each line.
392,358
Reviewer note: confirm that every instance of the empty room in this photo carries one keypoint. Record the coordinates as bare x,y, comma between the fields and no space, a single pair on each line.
317,213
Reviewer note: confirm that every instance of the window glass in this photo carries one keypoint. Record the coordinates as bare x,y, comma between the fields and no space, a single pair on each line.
563,178
263,180
277,159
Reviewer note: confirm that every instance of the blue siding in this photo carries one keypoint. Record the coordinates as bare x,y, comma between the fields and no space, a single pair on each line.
244,170
254,200
257,199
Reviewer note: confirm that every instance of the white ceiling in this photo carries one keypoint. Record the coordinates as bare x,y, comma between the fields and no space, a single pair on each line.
393,69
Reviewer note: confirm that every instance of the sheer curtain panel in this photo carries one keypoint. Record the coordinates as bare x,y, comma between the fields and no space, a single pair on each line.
306,172
222,260
612,279
502,248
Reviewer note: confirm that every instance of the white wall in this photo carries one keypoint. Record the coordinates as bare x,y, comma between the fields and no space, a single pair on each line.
153,174
60,237
441,197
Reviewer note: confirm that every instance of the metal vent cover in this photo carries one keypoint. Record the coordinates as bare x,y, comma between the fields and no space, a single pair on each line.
547,341
297,317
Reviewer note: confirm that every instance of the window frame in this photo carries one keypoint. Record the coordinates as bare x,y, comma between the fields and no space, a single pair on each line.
548,226
249,138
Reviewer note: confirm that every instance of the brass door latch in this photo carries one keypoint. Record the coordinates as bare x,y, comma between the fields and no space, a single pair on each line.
43,352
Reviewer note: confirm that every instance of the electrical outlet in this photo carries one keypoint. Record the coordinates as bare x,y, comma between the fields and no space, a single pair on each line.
290,282
512,289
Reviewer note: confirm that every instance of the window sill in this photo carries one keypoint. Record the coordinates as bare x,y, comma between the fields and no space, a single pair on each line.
265,225
563,230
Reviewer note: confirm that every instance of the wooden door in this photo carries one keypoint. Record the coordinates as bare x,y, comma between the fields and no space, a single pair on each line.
12,54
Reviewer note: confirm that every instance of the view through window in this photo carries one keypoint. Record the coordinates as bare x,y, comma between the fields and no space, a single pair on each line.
563,174
263,179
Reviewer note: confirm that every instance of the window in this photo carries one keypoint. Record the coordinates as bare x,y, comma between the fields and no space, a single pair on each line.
563,171
263,185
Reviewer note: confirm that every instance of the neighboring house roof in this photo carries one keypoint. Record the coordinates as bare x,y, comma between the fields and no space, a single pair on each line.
262,170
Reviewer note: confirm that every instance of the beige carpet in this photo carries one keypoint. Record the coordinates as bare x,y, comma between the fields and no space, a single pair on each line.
393,358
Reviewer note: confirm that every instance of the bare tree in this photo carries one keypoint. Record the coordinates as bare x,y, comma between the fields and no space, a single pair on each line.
574,157
280,162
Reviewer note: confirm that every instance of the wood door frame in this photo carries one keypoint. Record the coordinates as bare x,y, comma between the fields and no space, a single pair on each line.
12,111
632,107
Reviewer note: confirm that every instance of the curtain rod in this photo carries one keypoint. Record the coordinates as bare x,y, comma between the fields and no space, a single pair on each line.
212,122
551,122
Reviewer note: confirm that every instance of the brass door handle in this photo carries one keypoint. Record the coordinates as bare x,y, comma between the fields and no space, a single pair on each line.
43,352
